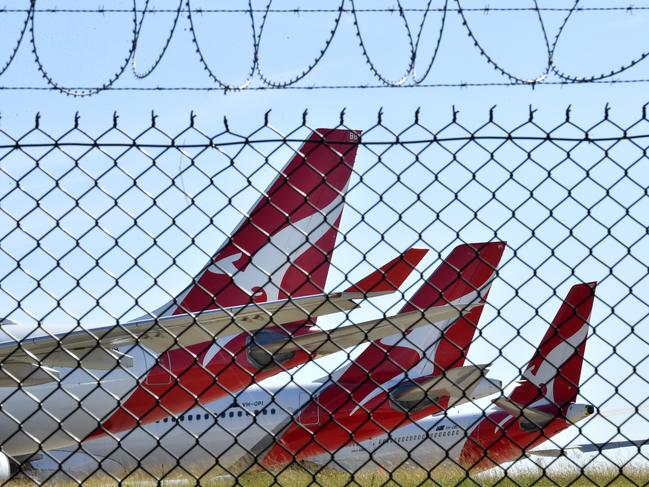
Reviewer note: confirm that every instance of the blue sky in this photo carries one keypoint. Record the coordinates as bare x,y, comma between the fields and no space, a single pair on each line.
83,49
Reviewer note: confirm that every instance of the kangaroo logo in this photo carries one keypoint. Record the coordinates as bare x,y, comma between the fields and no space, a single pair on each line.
424,341
544,373
264,273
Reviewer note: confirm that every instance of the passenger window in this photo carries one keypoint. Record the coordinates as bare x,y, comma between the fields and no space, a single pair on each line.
222,415
240,413
273,411
189,417
165,420
207,416
182,418
231,414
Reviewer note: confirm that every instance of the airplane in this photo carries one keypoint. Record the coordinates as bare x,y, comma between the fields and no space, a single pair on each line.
230,431
542,404
264,285
400,378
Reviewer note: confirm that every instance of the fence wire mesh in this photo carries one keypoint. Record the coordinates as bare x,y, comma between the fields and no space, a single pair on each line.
380,306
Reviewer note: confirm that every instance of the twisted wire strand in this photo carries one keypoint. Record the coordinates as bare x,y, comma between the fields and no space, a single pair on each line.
376,86
83,92
58,144
163,51
486,9
255,56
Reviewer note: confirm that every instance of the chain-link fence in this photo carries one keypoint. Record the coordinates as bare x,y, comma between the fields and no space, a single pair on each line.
382,306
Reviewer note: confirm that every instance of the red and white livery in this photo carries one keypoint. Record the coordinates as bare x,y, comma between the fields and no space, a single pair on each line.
542,404
401,378
264,285
245,429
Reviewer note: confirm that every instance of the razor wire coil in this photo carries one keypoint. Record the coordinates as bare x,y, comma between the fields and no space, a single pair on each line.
257,78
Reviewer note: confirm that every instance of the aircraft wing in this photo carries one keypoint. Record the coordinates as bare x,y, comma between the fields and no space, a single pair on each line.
331,341
29,359
589,448
94,348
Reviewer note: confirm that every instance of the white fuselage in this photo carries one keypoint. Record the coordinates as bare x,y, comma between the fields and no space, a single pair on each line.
431,442
226,432
427,443
219,434
57,414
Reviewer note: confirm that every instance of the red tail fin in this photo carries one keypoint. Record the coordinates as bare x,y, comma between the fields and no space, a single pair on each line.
391,276
464,275
465,272
554,372
284,247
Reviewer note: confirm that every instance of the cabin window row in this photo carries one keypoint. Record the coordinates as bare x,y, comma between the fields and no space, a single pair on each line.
223,415
433,434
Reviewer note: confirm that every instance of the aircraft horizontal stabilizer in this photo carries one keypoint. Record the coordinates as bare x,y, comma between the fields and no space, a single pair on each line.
98,358
457,383
14,374
530,418
392,275
332,341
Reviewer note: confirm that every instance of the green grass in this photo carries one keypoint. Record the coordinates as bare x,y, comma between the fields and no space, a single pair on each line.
298,476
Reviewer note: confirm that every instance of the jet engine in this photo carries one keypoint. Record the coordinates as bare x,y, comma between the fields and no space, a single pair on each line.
8,468
264,349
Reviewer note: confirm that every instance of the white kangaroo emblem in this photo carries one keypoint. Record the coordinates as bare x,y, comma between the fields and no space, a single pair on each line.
267,267
269,264
546,373
424,341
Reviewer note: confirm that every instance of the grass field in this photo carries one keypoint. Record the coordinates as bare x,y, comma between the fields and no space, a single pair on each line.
297,476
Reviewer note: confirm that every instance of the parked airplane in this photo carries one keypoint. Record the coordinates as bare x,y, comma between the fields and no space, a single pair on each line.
282,249
541,405
231,433
262,286
401,378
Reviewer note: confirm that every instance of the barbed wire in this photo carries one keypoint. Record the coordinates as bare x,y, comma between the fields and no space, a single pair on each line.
257,78
202,10
459,84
